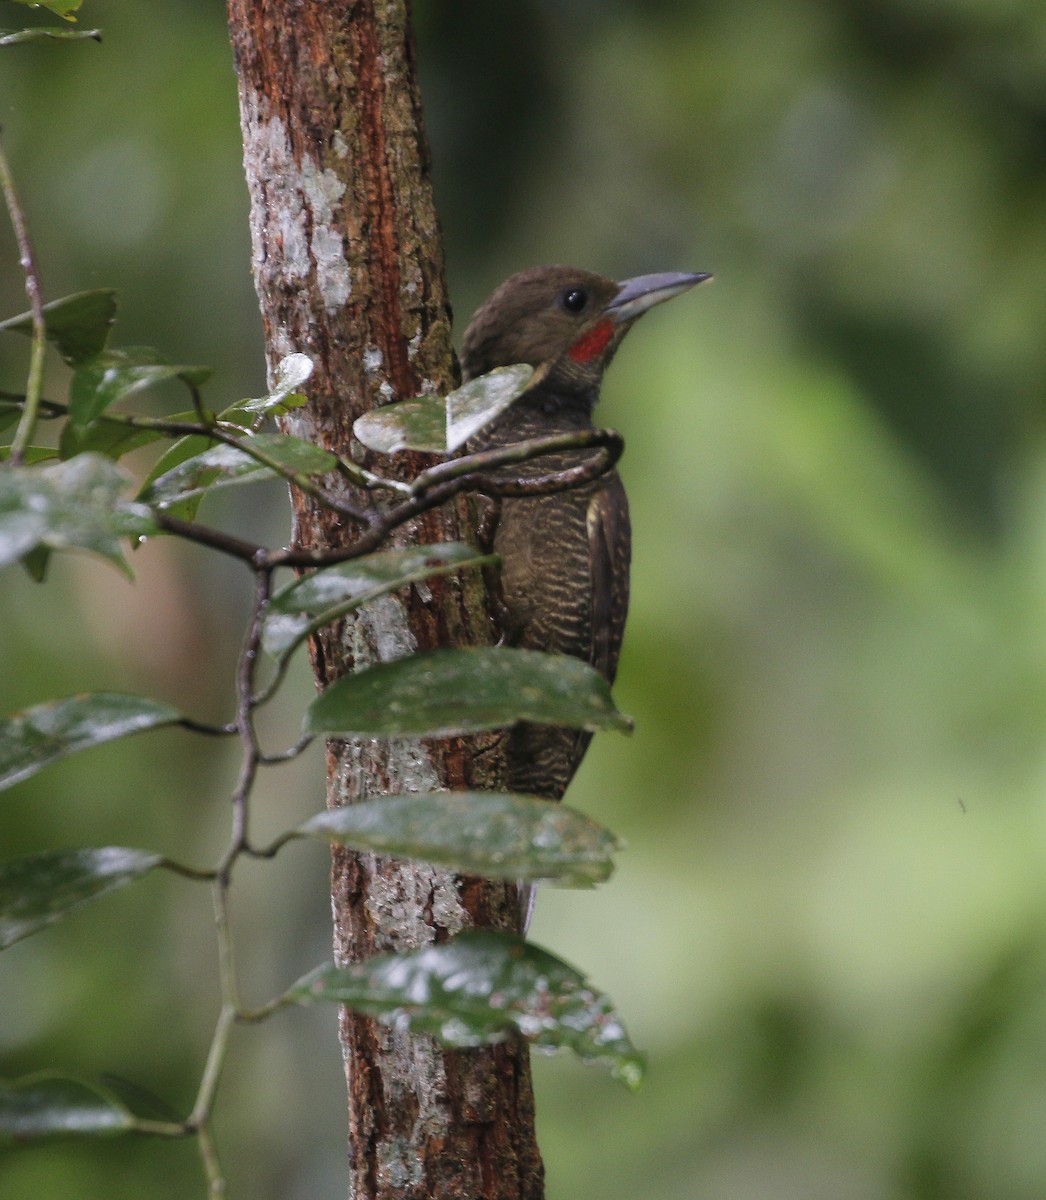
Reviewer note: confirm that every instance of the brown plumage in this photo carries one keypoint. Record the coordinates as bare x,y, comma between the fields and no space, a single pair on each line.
565,557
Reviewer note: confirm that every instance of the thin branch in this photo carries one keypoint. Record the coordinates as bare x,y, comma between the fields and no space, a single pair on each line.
251,553
171,1129
361,477
557,481
299,747
201,1112
608,440
47,410
205,417
208,730
203,876
275,846
432,488
270,689
251,1016
35,379
471,473
199,1120
237,441
245,673
373,537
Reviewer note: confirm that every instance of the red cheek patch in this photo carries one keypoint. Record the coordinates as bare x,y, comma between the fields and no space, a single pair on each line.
593,343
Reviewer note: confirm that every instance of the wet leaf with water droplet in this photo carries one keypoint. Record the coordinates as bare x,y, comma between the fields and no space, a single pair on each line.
478,988
74,505
41,33
476,403
186,448
323,596
78,326
113,374
105,436
440,693
35,737
291,373
442,424
418,424
40,889
500,836
223,465
48,1106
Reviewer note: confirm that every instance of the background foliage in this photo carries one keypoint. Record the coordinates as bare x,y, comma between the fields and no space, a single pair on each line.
828,928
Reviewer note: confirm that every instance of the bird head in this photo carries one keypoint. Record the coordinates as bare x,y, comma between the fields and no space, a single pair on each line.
567,321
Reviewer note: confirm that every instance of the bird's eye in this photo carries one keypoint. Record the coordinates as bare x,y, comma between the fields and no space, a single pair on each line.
574,300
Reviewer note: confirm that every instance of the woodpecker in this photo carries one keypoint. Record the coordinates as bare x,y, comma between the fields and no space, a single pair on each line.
565,556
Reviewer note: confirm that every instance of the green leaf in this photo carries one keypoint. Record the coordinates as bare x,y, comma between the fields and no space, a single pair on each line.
31,454
223,465
104,436
419,424
442,424
48,1106
114,374
479,988
441,693
476,403
60,8
13,37
500,836
291,373
188,447
78,325
32,739
75,505
39,890
36,562
317,599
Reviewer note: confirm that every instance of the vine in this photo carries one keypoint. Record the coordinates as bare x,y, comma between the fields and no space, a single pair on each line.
69,493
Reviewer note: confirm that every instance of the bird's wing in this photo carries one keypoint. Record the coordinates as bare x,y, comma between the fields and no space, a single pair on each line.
609,552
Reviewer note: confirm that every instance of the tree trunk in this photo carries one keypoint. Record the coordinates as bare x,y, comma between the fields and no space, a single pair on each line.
348,265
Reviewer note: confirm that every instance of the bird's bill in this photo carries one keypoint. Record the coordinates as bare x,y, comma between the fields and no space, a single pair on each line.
644,291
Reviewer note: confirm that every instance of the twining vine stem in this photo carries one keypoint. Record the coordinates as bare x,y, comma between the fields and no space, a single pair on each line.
35,377
437,485
475,472
486,472
246,703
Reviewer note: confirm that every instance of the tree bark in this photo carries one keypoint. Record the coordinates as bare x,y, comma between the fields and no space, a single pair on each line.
348,265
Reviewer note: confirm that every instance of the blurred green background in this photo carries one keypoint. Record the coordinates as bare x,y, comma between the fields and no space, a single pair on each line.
829,927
